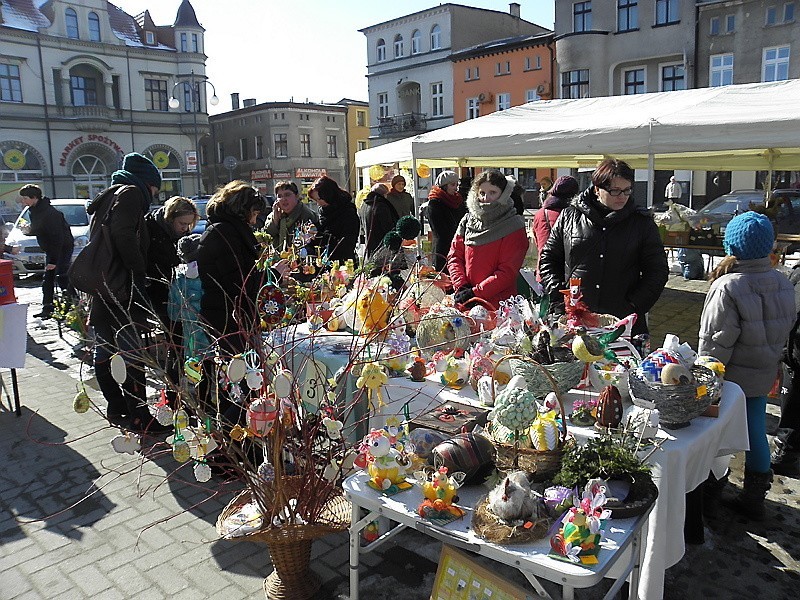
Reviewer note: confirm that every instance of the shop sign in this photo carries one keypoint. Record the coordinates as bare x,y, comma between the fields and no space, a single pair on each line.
281,175
92,137
260,174
309,173
191,161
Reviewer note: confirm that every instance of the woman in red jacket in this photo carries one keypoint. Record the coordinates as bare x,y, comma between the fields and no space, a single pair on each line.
490,243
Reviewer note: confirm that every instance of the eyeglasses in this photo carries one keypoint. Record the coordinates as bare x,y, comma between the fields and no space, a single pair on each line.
619,192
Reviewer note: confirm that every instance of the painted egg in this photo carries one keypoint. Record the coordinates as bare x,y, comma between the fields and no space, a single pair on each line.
283,383
237,369
164,415
673,374
181,419
181,451
266,472
254,380
81,403
202,472
119,371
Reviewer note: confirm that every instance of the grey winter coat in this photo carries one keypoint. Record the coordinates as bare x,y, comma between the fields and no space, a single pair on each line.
746,320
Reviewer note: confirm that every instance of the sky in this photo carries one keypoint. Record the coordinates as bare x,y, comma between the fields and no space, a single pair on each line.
276,50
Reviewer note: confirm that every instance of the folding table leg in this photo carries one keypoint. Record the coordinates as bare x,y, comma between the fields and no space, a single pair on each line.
536,585
15,388
355,550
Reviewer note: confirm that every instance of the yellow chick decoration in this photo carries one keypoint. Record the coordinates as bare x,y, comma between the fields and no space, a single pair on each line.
385,464
440,493
456,373
373,310
373,377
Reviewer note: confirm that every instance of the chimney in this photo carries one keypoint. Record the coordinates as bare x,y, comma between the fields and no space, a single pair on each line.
249,102
235,100
513,8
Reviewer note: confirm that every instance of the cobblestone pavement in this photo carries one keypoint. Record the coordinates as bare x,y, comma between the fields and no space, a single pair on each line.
78,520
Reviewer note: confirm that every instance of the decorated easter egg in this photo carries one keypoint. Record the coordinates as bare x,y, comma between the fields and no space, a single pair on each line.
81,402
181,419
424,440
266,472
237,369
254,380
119,371
164,415
181,451
128,443
674,374
202,472
283,383
711,363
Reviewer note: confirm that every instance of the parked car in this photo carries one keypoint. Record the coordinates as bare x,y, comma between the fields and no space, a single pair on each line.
200,202
783,209
31,258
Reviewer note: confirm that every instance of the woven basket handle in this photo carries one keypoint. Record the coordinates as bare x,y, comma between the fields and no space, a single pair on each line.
553,384
477,301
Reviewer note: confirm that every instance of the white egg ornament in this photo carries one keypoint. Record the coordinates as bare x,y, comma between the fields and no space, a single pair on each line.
202,472
119,371
237,369
282,383
674,374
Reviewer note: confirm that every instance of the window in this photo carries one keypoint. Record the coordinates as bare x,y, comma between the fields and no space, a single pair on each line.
361,118
189,98
259,143
771,16
666,12
531,65
331,146
383,105
776,64
71,18
730,23
305,145
721,70
634,82
713,26
582,16
627,15
83,91
220,152
531,96
361,145
436,37
243,149
380,48
10,85
477,73
503,101
203,154
502,68
788,12
195,45
184,43
473,108
437,99
575,84
398,46
416,42
467,74
155,94
149,38
673,78
281,145
94,27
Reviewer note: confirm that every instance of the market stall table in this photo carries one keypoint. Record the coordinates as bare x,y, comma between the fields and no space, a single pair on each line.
618,558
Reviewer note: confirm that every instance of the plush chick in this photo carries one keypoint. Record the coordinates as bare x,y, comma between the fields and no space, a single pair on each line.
373,310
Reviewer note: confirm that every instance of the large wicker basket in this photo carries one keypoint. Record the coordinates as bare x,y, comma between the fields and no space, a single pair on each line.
676,404
540,465
493,529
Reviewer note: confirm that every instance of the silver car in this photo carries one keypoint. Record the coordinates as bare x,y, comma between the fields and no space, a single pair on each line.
31,258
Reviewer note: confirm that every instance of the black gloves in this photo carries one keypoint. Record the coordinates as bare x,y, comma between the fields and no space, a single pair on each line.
464,294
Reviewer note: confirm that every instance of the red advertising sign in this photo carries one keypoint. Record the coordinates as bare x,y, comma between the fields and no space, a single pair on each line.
309,173
260,174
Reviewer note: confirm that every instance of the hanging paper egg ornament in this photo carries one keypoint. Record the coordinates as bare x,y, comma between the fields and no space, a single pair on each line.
271,304
193,370
254,380
81,402
181,419
237,369
119,371
181,451
261,415
128,443
283,383
202,472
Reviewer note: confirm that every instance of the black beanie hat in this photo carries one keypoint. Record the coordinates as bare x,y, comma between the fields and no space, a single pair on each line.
143,168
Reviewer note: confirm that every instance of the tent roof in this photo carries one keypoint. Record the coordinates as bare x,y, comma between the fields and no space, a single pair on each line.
737,127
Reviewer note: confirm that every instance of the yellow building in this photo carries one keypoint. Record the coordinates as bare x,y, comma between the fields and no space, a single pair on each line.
357,138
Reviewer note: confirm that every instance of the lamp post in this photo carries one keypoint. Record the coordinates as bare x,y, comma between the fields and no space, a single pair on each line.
195,100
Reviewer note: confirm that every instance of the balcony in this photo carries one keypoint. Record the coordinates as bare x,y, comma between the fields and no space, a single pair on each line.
91,118
407,123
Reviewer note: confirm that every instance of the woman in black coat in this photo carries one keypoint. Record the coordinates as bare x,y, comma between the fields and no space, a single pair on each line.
338,220
611,244
378,217
446,208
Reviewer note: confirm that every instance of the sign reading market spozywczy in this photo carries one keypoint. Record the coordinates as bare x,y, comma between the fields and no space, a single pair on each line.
92,137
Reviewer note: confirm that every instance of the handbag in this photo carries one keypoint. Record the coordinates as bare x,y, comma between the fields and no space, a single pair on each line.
97,270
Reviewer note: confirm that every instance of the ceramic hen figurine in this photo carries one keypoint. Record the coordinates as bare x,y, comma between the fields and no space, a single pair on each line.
513,500
440,493
385,465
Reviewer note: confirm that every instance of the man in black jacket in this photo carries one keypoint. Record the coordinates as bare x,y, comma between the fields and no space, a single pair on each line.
54,237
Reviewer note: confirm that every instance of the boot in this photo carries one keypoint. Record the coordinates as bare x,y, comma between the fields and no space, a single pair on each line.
712,493
785,459
750,501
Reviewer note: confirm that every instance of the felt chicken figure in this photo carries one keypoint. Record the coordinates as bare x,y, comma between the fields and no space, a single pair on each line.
440,493
590,349
373,377
513,499
575,309
385,465
373,310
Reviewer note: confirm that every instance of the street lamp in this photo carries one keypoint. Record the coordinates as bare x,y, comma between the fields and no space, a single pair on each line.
195,95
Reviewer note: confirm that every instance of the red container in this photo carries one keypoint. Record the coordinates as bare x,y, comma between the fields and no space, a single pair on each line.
6,283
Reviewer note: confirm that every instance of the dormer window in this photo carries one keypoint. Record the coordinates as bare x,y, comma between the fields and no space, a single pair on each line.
149,38
94,27
71,18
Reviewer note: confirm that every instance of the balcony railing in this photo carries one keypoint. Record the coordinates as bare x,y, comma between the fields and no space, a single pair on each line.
89,112
404,123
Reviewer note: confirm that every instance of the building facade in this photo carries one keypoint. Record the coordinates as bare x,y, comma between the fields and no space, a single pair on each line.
274,141
82,83
409,67
357,137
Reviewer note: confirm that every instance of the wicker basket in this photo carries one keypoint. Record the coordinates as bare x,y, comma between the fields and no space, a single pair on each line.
676,404
491,528
543,379
540,465
443,328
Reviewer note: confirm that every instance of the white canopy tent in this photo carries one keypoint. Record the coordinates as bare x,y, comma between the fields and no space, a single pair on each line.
733,128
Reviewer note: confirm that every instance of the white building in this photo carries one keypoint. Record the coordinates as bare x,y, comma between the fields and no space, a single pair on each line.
82,83
409,71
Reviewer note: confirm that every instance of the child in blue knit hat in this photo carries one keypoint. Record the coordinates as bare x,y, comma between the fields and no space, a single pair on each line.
746,319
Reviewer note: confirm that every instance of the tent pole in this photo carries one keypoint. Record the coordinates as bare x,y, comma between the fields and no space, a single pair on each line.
415,184
651,174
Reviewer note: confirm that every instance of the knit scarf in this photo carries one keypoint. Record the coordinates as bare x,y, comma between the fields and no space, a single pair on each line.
489,222
287,223
449,200
129,178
